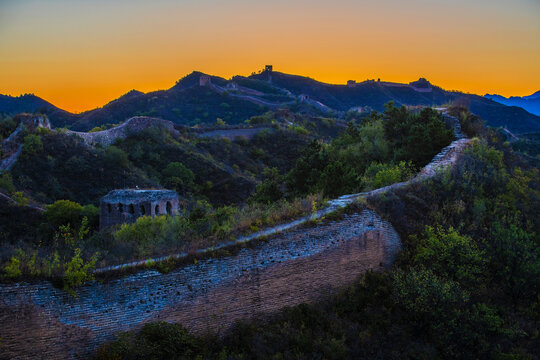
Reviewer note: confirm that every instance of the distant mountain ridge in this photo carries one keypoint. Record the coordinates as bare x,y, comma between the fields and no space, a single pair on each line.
536,95
531,103
199,98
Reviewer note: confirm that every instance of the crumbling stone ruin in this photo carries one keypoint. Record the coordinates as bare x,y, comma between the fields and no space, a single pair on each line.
131,126
125,206
205,80
268,70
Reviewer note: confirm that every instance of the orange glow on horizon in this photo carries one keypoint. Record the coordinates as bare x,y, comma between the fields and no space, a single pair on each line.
80,55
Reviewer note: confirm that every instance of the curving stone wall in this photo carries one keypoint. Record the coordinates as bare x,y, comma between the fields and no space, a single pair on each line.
130,126
40,321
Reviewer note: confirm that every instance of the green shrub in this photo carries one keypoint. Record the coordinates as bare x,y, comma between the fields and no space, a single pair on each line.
450,255
299,129
159,340
91,212
179,177
6,183
116,156
63,212
379,175
20,199
32,145
13,268
77,272
269,190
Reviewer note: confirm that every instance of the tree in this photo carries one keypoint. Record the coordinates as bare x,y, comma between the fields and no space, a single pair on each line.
269,190
91,212
450,255
63,212
304,177
78,272
428,300
415,137
31,145
178,176
117,157
515,262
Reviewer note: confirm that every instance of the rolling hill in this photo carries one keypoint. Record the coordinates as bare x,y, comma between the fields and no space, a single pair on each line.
237,99
530,103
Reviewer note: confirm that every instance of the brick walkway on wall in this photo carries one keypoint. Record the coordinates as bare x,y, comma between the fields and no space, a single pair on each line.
40,321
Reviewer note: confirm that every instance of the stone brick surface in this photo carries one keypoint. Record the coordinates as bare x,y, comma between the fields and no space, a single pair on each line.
40,321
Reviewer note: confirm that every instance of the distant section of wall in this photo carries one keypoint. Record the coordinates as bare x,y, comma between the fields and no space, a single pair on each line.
40,321
130,126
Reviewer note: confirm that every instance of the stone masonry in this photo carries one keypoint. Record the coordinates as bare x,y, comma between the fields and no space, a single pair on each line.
39,321
288,268
125,206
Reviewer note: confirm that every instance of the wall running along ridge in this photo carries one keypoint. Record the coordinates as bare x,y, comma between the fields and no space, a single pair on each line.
40,321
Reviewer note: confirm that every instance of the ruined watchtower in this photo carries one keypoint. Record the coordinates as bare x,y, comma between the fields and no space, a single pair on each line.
268,70
303,98
125,206
205,80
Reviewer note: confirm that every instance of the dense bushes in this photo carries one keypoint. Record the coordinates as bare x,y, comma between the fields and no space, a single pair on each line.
415,137
59,258
203,226
384,149
210,174
67,169
64,172
63,212
7,126
465,286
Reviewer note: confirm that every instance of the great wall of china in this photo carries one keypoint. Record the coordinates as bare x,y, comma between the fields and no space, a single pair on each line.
285,268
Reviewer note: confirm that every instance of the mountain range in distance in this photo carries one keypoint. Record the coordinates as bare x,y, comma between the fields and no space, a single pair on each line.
530,103
199,98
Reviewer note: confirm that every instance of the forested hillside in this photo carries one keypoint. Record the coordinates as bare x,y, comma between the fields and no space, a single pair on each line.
465,286
289,168
237,99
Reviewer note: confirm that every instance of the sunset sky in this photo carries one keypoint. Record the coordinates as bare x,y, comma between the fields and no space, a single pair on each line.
81,54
